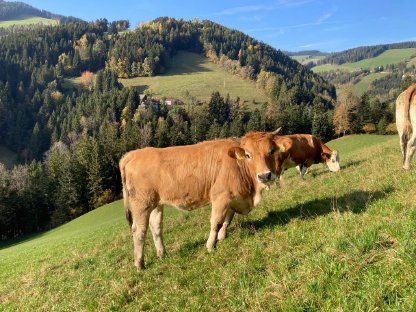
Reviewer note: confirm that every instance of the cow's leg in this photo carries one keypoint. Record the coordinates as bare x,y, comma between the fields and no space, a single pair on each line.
411,147
403,146
141,215
219,210
228,218
156,226
299,169
303,171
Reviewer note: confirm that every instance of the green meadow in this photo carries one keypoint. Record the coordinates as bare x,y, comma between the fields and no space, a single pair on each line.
307,58
193,74
28,21
392,56
333,242
364,84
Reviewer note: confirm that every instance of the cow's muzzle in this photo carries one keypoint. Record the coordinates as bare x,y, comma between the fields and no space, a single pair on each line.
264,177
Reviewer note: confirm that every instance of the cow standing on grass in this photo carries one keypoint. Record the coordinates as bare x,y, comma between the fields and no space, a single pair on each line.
406,124
304,150
228,174
300,150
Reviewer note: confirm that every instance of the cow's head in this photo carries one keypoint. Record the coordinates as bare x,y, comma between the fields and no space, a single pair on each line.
257,150
332,160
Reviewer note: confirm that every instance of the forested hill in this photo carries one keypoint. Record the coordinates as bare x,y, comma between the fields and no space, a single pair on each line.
17,10
361,53
245,56
72,138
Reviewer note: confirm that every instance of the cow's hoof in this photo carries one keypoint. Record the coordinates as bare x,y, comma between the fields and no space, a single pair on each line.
210,248
161,253
140,265
406,167
221,235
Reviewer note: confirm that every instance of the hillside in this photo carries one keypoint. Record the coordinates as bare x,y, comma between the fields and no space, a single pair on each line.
392,56
190,75
332,242
308,58
194,74
28,21
20,13
379,76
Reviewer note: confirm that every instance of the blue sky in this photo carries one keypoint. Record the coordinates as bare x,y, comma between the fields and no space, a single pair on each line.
290,25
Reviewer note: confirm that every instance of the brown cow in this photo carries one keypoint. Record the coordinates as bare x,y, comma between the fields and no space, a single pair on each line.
226,173
304,150
301,150
406,124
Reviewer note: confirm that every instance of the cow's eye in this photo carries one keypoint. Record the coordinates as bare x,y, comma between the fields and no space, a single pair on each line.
333,160
272,151
248,156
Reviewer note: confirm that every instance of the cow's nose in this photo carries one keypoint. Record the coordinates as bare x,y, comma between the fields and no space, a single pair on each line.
264,176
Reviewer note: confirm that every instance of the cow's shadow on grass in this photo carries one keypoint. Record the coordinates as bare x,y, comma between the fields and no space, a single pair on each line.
355,202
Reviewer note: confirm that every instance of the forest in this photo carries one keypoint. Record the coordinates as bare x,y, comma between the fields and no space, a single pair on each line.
69,141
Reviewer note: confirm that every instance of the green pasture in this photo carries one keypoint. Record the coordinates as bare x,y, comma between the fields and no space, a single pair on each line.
191,74
392,56
333,242
364,84
28,21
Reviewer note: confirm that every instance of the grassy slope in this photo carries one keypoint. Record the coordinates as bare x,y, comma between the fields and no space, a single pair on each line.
392,56
342,241
193,72
29,21
7,157
307,58
365,82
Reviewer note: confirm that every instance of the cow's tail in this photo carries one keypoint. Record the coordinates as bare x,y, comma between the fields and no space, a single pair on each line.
410,93
123,162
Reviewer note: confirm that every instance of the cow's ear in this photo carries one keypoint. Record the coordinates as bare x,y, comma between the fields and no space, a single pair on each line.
237,153
284,146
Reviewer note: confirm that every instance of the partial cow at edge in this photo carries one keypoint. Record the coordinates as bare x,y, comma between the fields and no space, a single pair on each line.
406,123
230,175
304,150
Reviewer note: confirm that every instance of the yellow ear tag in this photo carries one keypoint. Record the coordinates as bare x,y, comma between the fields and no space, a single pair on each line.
282,148
239,157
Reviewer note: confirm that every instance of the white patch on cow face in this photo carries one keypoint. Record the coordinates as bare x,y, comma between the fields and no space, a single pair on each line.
333,162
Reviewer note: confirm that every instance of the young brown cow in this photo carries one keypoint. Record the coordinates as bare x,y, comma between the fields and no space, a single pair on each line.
228,174
304,150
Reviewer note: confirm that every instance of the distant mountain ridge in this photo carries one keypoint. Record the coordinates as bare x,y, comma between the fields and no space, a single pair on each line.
18,10
307,52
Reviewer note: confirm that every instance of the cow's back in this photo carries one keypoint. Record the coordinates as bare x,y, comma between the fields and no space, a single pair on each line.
305,147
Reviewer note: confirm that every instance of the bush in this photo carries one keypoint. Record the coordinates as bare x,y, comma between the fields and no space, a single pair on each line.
391,128
369,128
105,198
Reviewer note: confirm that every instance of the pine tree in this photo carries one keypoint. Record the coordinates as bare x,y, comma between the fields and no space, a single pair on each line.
256,121
162,133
